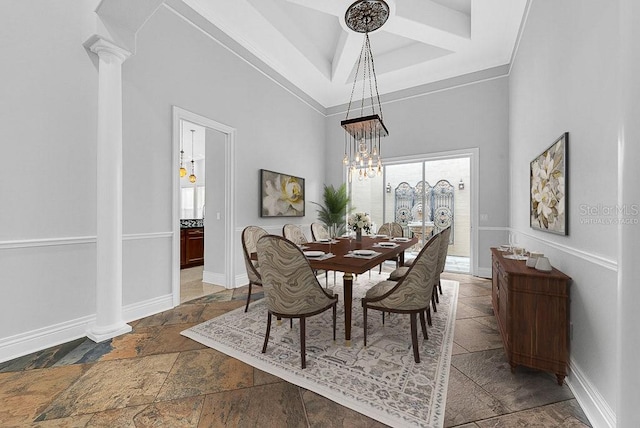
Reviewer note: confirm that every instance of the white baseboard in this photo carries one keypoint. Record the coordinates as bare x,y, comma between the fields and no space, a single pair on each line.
484,272
57,334
214,278
242,279
596,409
136,311
43,338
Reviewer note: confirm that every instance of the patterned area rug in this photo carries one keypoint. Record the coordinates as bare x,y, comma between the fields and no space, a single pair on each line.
381,381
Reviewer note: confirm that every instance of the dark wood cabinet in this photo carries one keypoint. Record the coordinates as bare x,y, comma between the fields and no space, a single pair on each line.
191,247
532,310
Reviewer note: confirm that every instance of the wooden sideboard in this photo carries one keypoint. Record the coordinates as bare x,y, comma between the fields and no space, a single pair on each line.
532,309
191,247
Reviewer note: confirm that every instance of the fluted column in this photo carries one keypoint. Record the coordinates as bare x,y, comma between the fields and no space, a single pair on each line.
109,321
627,414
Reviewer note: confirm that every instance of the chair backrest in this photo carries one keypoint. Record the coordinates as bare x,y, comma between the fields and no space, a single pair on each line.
414,290
290,286
250,236
392,229
318,231
444,248
294,234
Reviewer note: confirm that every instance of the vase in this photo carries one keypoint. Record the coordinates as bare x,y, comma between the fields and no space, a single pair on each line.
358,235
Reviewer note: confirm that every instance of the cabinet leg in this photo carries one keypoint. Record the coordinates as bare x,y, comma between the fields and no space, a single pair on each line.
513,367
560,378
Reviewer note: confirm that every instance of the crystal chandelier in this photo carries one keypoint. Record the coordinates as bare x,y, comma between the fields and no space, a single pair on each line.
363,134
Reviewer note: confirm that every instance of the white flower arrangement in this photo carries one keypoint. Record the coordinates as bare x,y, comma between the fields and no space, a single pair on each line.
360,221
547,191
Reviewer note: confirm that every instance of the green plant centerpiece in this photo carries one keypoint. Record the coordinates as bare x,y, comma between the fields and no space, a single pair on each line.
334,210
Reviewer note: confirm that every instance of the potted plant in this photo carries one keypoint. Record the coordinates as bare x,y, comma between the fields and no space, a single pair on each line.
334,210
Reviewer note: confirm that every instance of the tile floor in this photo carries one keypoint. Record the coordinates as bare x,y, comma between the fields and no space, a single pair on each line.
153,376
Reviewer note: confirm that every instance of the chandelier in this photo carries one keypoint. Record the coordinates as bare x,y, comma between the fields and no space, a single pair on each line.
362,134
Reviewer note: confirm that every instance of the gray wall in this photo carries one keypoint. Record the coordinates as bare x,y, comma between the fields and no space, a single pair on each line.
474,115
49,111
564,80
48,118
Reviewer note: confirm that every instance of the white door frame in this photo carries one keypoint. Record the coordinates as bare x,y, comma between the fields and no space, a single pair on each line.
229,202
473,153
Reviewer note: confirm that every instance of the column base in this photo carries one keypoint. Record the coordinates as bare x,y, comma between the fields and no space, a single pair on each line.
100,334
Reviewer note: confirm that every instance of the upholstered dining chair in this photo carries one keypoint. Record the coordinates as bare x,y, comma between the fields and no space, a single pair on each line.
319,231
294,234
397,274
442,256
411,295
392,230
250,236
291,287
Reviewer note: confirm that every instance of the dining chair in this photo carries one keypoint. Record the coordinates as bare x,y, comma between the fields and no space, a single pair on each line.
294,234
291,287
442,255
410,295
318,231
400,272
392,230
250,236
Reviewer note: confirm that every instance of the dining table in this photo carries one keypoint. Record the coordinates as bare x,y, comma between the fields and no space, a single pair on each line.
355,257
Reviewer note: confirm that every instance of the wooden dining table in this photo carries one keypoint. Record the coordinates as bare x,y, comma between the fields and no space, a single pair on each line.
354,265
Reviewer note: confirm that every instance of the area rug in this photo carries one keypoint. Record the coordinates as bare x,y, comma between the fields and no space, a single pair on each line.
381,381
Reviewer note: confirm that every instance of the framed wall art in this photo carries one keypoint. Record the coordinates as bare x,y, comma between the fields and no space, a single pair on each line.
548,185
281,195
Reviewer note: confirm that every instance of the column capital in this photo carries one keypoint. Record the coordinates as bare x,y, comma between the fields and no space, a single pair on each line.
100,45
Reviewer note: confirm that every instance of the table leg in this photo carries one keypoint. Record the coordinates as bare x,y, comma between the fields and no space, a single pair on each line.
348,300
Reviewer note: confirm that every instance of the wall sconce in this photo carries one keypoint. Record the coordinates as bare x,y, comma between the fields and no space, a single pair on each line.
388,187
461,185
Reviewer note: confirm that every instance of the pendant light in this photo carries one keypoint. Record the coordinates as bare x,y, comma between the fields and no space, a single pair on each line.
183,170
192,177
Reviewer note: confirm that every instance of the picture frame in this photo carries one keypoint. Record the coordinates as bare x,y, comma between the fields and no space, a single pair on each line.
281,195
549,188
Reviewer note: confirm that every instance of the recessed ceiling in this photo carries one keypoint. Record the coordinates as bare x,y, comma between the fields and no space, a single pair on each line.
423,41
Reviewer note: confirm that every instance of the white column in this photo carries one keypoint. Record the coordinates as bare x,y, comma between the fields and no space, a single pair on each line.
109,322
627,414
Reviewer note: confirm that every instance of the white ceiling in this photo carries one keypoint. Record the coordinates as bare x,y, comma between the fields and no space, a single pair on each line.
423,41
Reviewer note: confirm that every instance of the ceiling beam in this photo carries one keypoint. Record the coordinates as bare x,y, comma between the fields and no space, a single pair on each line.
429,22
346,55
331,7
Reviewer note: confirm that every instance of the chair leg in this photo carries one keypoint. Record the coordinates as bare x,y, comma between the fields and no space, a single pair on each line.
435,293
334,320
303,348
440,286
424,326
290,322
266,336
428,311
414,337
382,317
433,303
246,308
364,320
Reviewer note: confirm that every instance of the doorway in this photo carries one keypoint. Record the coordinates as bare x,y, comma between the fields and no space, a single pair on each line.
213,204
426,194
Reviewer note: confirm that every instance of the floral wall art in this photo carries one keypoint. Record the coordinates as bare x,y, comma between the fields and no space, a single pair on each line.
548,183
281,195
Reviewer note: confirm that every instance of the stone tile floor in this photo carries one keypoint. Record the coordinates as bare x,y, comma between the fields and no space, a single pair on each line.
153,376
